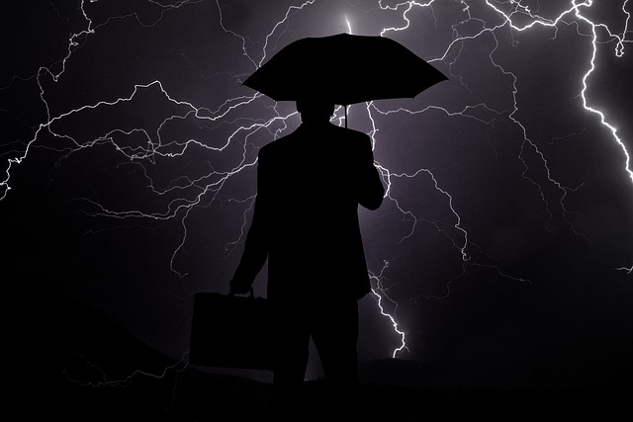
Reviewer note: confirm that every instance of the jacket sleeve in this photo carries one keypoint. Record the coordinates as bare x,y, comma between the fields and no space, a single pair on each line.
256,246
370,188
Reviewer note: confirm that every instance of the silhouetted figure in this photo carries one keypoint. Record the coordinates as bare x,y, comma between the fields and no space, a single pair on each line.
305,222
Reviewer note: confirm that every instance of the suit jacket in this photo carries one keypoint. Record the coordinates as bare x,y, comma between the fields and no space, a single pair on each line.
305,221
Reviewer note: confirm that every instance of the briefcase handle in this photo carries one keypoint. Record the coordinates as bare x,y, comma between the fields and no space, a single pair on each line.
251,295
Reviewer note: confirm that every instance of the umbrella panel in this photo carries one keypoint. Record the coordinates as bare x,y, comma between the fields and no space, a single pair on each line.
344,69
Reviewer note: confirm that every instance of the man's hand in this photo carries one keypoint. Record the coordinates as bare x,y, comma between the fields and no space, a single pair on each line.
240,286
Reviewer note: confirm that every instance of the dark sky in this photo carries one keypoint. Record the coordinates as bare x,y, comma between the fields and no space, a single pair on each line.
127,168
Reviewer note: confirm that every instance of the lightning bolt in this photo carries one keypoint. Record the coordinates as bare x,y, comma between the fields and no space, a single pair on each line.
179,366
575,9
381,294
349,25
489,21
513,11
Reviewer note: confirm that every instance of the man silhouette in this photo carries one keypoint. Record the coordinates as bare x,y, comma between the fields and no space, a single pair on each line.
305,223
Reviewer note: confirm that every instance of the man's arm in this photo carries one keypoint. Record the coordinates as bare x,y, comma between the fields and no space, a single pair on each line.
370,188
256,245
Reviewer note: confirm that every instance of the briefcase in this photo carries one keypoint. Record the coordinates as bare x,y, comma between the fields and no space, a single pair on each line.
230,331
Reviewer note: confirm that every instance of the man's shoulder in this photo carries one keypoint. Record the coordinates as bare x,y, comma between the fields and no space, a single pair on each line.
349,133
332,133
276,144
277,148
351,140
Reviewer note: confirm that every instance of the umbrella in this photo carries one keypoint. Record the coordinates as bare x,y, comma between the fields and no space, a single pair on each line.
344,69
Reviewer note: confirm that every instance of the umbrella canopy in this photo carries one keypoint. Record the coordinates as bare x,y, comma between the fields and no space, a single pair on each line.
344,69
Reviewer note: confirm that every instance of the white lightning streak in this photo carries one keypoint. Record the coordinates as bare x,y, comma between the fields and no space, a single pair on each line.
127,380
517,10
381,295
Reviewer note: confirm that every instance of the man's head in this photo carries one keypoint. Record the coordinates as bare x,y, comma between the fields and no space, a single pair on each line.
315,110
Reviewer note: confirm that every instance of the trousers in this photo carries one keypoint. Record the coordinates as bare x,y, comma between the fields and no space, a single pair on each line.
333,327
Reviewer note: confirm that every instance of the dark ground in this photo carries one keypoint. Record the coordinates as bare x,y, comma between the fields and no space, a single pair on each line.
64,361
